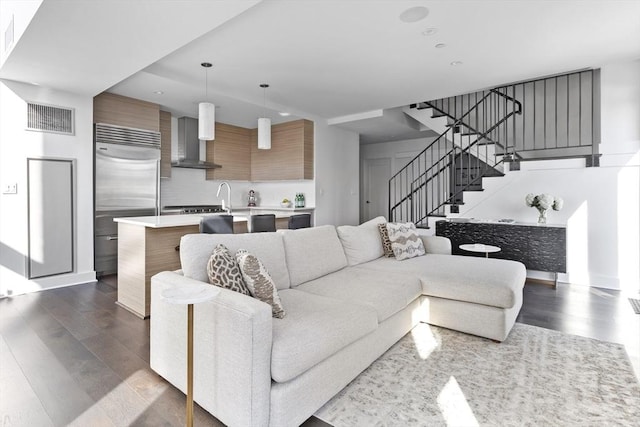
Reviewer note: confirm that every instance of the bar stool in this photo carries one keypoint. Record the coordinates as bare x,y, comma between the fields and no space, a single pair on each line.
217,224
263,223
299,221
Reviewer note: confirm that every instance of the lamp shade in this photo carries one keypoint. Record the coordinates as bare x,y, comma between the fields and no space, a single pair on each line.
264,133
206,121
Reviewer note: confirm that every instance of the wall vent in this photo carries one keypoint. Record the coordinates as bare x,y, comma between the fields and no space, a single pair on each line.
49,118
112,134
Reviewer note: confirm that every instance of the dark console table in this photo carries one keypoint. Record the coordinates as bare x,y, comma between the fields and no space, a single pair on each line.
538,247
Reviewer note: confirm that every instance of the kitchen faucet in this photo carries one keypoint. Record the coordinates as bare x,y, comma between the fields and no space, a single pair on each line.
228,208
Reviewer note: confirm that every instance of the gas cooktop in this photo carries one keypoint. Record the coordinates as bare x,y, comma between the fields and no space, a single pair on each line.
190,209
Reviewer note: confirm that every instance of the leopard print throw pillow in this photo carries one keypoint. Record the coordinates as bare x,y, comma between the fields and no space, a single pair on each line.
386,242
259,282
223,271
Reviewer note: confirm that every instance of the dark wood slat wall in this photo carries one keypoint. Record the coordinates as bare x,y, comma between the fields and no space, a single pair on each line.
542,248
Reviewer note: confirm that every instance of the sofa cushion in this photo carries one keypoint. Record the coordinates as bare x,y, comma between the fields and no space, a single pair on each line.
404,240
362,243
488,281
223,271
312,252
386,293
315,328
195,250
259,281
387,249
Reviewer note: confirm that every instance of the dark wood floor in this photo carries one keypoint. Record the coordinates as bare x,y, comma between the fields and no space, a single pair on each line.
72,356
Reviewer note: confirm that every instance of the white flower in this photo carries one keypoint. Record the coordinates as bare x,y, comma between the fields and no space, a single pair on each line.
558,204
545,201
529,199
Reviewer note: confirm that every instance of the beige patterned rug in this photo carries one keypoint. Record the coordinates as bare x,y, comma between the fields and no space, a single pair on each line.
537,377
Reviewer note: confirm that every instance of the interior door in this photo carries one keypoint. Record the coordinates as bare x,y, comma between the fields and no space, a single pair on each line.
51,231
377,173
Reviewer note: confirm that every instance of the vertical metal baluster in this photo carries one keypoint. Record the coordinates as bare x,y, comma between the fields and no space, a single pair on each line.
579,143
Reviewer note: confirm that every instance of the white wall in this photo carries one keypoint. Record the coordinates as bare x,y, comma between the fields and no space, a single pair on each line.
22,12
189,187
16,145
337,175
602,204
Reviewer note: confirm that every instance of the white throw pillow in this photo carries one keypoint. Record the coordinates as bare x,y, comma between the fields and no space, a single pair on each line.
362,243
405,240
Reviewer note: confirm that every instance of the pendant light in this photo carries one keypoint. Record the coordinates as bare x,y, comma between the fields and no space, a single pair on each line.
264,124
206,112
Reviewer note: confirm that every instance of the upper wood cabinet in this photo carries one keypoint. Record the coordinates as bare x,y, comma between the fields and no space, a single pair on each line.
123,111
232,150
165,144
290,156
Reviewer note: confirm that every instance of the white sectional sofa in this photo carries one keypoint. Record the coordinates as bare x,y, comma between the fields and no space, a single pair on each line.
345,306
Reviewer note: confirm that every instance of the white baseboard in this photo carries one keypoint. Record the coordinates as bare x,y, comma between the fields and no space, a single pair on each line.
21,285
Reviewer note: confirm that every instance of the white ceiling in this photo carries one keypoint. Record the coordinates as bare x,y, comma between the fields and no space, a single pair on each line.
323,59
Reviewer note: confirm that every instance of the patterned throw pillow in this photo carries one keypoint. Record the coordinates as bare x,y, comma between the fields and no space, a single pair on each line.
405,240
386,242
223,271
259,282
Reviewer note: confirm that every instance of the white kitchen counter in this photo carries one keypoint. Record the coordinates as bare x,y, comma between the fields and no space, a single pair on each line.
239,215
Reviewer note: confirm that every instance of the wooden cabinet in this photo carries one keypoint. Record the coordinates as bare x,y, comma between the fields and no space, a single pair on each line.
123,111
290,156
165,144
231,150
236,150
538,247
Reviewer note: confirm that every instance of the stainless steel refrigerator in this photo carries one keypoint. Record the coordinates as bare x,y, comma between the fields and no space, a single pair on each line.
127,183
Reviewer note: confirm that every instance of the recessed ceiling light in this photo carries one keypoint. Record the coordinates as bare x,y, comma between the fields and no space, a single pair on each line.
440,45
414,14
284,113
158,92
429,31
456,63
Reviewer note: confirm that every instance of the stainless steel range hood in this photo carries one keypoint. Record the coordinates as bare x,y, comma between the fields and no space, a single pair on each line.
189,146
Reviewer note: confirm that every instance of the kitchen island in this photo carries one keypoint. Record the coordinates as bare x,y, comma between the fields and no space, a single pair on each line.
150,244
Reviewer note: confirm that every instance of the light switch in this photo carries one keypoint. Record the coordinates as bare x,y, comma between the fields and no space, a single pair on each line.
10,189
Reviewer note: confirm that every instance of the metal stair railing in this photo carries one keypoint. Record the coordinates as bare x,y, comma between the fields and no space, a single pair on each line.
430,181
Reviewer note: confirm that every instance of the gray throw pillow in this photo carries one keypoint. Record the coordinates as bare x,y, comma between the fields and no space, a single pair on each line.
259,282
386,242
405,240
223,271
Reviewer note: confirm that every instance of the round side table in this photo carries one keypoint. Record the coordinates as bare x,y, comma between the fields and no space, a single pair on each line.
480,248
189,295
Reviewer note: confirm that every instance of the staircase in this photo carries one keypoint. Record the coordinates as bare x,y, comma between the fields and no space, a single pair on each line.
480,132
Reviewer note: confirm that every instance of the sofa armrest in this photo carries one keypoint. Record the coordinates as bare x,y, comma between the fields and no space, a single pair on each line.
436,245
232,351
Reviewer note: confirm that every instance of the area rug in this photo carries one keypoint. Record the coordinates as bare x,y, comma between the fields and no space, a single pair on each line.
536,377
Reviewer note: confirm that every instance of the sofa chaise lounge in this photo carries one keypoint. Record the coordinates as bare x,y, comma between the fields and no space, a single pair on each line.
345,306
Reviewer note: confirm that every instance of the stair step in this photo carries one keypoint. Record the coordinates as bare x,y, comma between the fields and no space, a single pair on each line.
436,115
423,226
486,142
